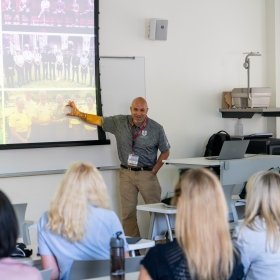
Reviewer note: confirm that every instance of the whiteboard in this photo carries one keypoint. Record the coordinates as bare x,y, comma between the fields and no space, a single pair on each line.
122,79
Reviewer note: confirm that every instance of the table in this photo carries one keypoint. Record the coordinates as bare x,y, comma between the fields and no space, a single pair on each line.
232,172
128,276
162,219
141,244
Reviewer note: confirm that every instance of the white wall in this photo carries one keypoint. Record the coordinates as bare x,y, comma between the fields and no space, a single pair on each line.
202,57
185,75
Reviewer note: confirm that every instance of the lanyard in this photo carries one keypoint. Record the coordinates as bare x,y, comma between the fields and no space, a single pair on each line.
137,133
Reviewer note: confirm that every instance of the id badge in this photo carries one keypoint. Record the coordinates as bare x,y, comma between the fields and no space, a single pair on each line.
132,160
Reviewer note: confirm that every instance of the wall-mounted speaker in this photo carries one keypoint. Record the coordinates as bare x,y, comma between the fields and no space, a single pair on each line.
158,29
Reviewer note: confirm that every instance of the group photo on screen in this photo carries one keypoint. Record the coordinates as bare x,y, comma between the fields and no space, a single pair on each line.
32,117
51,13
48,61
49,55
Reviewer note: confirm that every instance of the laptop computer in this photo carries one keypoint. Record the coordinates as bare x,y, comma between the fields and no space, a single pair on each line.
232,149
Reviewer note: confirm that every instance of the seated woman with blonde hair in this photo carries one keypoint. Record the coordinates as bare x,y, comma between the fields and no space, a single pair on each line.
258,237
202,249
79,223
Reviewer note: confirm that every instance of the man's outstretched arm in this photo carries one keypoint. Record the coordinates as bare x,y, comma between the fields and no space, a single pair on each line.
89,118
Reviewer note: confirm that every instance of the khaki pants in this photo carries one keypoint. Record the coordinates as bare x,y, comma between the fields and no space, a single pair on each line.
132,182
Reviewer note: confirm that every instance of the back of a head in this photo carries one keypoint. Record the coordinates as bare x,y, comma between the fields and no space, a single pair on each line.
8,226
202,228
81,186
83,182
200,199
263,196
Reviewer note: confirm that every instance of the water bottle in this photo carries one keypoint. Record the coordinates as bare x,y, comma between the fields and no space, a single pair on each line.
117,257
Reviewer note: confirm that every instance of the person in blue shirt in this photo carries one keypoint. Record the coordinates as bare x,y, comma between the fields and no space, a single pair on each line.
258,237
79,223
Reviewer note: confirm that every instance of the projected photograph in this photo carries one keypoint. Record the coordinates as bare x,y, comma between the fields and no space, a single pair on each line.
1,67
49,50
48,13
40,116
49,61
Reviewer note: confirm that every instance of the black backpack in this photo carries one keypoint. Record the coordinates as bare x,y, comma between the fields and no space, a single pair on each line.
215,143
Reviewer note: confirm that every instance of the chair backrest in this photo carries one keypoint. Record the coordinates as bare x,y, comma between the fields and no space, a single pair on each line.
99,268
20,209
46,274
133,264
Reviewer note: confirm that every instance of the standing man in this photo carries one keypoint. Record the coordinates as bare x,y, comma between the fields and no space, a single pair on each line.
51,60
45,62
28,62
19,66
37,64
75,67
138,140
67,57
9,67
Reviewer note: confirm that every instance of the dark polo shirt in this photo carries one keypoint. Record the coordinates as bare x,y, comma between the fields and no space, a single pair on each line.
151,139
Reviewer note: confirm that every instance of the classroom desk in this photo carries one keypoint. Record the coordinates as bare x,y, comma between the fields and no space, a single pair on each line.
162,219
232,172
140,245
128,276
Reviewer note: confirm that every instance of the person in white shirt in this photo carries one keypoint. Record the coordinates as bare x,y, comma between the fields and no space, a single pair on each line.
59,64
37,57
84,67
28,62
45,9
19,65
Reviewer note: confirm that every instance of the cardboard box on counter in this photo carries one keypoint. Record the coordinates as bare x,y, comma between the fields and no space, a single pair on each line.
226,100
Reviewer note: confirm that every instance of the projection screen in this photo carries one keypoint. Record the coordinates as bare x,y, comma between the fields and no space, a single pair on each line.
49,55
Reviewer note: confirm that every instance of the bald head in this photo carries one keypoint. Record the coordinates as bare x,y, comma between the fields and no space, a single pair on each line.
139,110
139,100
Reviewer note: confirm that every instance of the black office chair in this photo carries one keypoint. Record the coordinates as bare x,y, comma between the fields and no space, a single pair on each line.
99,268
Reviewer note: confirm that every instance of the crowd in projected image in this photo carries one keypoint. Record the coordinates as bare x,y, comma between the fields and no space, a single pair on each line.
49,55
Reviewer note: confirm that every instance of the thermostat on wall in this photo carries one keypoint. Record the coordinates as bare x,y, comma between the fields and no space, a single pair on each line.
158,29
